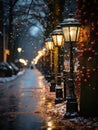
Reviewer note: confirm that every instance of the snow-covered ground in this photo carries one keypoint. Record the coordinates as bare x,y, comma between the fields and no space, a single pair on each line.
7,79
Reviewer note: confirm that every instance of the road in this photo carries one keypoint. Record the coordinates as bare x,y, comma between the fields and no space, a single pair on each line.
23,105
20,102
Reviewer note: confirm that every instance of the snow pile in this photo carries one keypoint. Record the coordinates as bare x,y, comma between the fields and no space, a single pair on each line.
7,79
58,110
90,122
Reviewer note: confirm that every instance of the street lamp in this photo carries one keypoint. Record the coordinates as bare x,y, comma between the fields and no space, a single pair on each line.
58,40
71,29
58,37
49,46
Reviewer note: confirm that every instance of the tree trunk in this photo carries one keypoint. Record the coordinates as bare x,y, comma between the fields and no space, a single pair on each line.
1,31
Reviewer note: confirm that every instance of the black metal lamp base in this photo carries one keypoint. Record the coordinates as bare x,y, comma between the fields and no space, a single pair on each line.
58,100
59,94
48,77
52,86
71,108
69,115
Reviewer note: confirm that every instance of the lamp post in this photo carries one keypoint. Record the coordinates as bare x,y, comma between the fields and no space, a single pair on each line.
19,49
71,28
49,47
58,40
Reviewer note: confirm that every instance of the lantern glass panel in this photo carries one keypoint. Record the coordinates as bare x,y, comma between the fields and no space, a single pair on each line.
54,40
49,45
73,33
66,33
60,40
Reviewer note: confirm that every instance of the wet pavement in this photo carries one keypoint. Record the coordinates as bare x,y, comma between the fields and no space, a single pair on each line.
23,104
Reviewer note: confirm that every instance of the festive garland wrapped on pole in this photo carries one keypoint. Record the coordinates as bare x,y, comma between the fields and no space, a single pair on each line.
87,78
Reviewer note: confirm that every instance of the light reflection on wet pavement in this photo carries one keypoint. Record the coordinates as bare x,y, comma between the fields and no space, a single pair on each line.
22,104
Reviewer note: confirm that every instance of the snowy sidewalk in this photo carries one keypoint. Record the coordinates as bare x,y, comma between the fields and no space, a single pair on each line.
57,111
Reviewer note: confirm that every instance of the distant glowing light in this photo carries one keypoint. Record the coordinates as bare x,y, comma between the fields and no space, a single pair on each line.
49,128
23,61
50,123
49,105
19,49
40,54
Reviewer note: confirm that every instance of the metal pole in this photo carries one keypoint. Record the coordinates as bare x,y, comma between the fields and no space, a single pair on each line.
71,105
59,93
71,82
52,83
64,80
